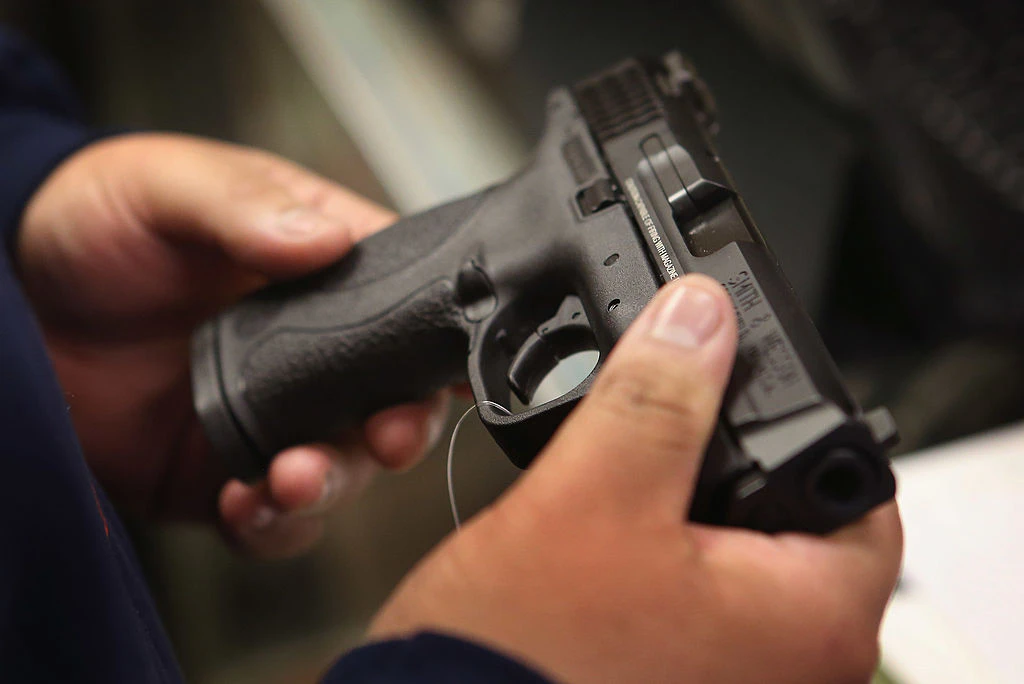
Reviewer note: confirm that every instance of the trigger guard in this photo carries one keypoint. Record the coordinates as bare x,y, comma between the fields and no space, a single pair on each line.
523,435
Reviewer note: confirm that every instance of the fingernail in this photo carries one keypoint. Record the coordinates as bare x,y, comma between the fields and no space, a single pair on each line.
263,518
301,222
335,482
688,319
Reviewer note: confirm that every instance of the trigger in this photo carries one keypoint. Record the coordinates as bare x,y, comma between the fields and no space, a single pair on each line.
566,333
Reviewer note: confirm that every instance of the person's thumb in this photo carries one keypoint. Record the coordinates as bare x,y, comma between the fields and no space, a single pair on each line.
638,438
264,213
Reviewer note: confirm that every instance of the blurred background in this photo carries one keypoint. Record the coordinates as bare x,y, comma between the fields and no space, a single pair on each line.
878,145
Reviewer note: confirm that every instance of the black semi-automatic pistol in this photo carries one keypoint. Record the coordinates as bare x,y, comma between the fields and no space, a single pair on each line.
625,193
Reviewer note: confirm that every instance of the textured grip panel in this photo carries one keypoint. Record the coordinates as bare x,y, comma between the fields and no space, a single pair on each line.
303,385
302,361
407,243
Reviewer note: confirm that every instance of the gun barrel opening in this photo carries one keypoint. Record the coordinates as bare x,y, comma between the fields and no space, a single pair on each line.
841,479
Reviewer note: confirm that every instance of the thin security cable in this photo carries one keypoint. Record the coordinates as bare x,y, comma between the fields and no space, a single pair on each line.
451,453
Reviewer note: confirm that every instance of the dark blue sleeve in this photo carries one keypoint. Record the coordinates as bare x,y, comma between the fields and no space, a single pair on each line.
73,602
430,659
39,127
74,605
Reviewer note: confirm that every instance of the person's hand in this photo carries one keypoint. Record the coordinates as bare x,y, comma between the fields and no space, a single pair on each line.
587,569
123,250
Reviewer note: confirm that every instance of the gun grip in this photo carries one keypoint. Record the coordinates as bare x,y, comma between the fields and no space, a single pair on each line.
303,361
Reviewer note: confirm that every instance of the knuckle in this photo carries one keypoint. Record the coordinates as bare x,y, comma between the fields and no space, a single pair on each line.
247,185
641,385
257,174
639,390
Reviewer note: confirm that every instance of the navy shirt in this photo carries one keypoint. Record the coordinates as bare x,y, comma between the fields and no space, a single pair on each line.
74,606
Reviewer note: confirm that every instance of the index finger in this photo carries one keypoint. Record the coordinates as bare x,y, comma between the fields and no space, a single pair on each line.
857,565
363,217
864,558
877,540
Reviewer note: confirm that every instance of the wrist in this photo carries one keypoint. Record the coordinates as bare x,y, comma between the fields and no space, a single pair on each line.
32,146
433,656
